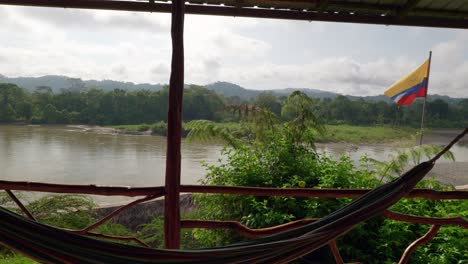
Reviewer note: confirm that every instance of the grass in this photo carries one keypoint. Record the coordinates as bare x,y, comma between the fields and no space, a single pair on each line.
334,133
366,134
16,259
137,128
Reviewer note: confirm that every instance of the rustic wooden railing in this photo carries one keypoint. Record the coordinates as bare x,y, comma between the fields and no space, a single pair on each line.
151,193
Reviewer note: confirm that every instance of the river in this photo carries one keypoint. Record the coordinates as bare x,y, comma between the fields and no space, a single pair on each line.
74,155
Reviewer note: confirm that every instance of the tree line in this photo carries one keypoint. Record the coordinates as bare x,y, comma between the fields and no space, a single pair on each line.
342,110
95,106
118,107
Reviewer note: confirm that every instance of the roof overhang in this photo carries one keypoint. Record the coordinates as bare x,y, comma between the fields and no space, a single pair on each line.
424,13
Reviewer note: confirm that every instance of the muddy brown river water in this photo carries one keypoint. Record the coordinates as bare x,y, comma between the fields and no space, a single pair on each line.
78,155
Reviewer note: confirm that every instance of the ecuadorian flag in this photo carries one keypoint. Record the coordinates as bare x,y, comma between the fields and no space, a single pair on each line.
413,85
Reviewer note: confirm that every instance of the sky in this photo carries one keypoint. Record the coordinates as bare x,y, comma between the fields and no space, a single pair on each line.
257,54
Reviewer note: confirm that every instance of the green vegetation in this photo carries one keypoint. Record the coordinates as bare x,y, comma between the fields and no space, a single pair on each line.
332,133
95,106
120,107
365,134
16,259
134,128
284,157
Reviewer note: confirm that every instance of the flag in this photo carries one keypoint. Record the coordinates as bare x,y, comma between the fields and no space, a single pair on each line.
413,85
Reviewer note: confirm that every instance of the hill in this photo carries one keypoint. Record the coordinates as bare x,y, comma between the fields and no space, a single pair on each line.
58,82
230,89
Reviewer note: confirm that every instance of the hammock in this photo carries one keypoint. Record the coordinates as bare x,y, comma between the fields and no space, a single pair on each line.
47,244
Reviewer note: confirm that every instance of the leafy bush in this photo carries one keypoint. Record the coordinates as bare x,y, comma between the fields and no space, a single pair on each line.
277,164
284,157
159,128
153,234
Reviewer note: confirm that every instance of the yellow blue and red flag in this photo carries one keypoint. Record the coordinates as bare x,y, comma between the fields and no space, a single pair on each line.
413,85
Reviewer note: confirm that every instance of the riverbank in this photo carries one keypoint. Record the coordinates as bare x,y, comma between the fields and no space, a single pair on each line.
388,135
367,134
333,133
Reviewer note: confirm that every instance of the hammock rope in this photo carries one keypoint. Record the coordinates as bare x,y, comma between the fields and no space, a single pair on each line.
47,244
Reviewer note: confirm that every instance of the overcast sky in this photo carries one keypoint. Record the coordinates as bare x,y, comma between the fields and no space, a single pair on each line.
254,53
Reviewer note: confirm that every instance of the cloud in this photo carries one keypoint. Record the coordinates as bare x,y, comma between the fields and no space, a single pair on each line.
449,70
255,53
340,74
120,70
212,66
92,20
451,52
160,72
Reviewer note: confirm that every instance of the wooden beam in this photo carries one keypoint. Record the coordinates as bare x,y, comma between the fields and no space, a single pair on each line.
336,252
403,11
459,221
20,205
116,212
245,230
312,192
259,191
419,242
421,20
323,4
81,189
174,128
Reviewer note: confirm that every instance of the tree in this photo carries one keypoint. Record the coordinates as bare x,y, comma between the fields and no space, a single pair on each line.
201,103
269,101
51,115
298,109
7,113
42,96
15,103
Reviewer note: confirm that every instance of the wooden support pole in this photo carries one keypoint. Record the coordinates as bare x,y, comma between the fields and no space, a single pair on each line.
174,127
336,252
419,242
116,212
20,205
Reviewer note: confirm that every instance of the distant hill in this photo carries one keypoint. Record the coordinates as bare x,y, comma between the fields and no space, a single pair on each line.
316,93
430,98
58,82
230,89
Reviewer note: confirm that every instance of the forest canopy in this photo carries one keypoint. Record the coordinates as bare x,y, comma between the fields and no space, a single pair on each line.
117,107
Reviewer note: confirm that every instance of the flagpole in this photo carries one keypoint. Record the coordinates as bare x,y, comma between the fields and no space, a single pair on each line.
425,97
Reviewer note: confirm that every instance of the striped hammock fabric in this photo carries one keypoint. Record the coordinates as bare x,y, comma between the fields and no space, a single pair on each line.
47,244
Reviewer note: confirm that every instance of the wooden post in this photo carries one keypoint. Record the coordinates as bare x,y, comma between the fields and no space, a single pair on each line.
174,126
